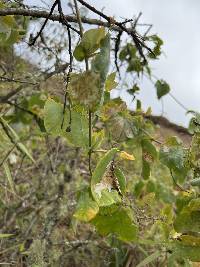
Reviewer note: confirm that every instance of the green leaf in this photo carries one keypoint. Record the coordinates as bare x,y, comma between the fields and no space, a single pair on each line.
195,152
149,259
53,115
10,32
173,157
189,217
15,135
9,176
5,146
181,251
5,235
119,223
138,188
135,65
146,170
195,182
138,105
89,43
86,208
16,139
194,125
78,135
133,90
106,197
190,240
102,165
97,139
6,25
86,89
173,141
128,51
101,61
121,180
149,148
162,88
99,190
25,150
110,82
157,48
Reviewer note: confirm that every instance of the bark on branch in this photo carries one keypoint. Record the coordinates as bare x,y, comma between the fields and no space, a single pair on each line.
53,17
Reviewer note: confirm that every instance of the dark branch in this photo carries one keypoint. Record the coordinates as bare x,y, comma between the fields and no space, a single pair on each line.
64,20
6,79
139,43
44,24
4,99
54,17
117,44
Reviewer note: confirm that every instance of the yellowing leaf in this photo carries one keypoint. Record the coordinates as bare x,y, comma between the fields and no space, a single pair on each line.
87,208
125,155
85,89
5,235
148,112
110,82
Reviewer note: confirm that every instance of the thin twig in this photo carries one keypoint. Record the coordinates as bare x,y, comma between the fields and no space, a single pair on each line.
151,137
4,99
35,116
178,102
44,24
117,43
136,20
63,19
6,79
78,18
138,40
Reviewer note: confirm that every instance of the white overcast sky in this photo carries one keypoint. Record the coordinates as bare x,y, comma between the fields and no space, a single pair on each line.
177,23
